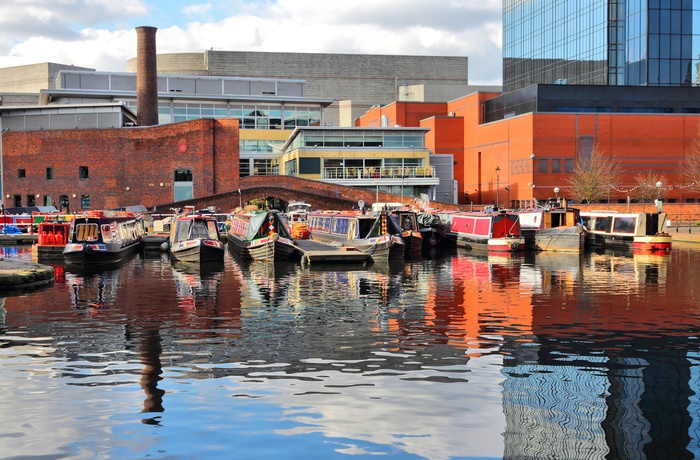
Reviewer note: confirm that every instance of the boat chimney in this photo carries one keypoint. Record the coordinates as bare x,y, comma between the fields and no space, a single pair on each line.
146,76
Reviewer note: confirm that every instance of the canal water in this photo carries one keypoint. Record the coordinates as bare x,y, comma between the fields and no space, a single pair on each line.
459,356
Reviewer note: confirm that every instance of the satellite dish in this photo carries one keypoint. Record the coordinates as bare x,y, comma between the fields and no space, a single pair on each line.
361,204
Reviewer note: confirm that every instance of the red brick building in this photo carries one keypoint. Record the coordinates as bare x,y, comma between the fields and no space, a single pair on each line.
108,168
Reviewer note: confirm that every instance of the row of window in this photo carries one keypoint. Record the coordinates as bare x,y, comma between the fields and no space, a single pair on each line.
82,173
542,165
359,139
63,201
250,116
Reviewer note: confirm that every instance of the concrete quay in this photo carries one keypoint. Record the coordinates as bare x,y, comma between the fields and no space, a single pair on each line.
15,274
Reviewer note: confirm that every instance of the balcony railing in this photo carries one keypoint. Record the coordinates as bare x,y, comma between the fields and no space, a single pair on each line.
378,173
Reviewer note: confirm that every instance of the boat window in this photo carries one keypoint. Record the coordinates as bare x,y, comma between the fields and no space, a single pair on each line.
213,232
624,224
106,233
369,228
603,224
86,232
340,226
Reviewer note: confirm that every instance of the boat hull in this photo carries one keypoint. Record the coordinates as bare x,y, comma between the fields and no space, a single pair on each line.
385,247
198,251
272,248
559,239
99,254
660,242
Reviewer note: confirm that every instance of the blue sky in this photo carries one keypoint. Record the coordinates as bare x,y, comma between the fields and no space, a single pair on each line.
100,34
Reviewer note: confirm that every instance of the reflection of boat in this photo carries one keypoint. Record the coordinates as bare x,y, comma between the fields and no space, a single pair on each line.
641,230
367,233
261,235
197,283
487,231
195,238
103,237
552,229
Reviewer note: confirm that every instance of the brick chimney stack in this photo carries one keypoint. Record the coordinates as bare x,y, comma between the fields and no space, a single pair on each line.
146,76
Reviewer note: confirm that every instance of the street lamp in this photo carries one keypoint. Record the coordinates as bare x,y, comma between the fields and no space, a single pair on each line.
658,190
556,193
498,171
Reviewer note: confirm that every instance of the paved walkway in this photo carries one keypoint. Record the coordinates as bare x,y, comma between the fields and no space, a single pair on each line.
685,234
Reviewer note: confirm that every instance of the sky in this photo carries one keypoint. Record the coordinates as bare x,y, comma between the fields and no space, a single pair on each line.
100,34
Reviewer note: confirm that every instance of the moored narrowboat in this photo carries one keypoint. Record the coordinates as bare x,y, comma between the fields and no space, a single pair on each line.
485,231
103,238
195,238
367,233
261,235
636,231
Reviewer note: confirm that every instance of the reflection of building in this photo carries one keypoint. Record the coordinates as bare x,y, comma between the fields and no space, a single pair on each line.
599,42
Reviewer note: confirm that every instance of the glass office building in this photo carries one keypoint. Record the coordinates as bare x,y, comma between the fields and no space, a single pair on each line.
601,42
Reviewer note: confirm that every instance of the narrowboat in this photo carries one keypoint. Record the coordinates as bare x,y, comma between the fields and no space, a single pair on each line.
432,230
552,229
298,211
644,231
485,231
367,233
195,238
261,235
103,238
406,223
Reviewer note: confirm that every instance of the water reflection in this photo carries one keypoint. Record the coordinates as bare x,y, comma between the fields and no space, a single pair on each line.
467,355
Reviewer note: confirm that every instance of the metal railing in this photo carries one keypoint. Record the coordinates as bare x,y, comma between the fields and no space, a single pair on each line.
378,173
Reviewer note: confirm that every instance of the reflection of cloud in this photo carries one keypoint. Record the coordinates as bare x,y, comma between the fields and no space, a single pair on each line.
370,412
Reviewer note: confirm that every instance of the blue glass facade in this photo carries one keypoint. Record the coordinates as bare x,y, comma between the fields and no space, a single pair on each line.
601,42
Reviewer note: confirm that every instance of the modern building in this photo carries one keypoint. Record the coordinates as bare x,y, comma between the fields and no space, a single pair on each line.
515,149
391,160
601,42
354,82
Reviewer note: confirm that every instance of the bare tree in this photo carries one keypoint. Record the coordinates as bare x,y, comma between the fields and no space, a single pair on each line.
594,175
690,166
646,189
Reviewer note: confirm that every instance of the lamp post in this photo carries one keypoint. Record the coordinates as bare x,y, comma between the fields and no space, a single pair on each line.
498,171
556,193
658,195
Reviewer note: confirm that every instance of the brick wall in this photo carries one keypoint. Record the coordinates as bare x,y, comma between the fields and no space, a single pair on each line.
138,158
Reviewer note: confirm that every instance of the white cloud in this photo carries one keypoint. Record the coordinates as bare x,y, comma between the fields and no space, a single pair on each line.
100,33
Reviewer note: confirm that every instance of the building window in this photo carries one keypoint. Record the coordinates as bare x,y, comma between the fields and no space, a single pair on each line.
49,173
244,167
183,175
17,200
85,201
569,165
30,200
21,173
556,165
83,172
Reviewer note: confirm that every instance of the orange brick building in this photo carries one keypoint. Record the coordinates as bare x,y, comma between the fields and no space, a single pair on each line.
512,152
